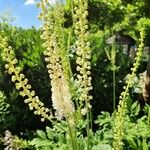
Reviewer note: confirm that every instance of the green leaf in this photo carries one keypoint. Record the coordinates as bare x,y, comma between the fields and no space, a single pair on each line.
135,109
103,119
41,143
41,134
49,132
131,142
102,147
145,145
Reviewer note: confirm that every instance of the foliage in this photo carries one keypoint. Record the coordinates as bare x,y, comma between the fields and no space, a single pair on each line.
4,111
137,133
7,118
28,49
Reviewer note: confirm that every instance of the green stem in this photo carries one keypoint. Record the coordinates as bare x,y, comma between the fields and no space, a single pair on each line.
149,116
72,137
88,128
114,89
68,47
113,61
91,126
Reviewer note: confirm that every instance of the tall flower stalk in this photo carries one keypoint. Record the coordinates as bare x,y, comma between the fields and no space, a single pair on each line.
121,113
83,58
21,82
53,19
114,67
112,58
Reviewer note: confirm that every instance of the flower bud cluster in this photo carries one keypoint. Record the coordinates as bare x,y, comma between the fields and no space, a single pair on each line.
121,113
8,140
61,95
113,54
21,82
83,49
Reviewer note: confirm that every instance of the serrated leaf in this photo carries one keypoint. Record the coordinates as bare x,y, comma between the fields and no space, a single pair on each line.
40,143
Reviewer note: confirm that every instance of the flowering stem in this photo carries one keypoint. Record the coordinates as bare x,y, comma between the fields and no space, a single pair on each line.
113,62
88,127
121,113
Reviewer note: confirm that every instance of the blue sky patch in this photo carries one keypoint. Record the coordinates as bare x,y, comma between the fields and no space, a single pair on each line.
24,11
